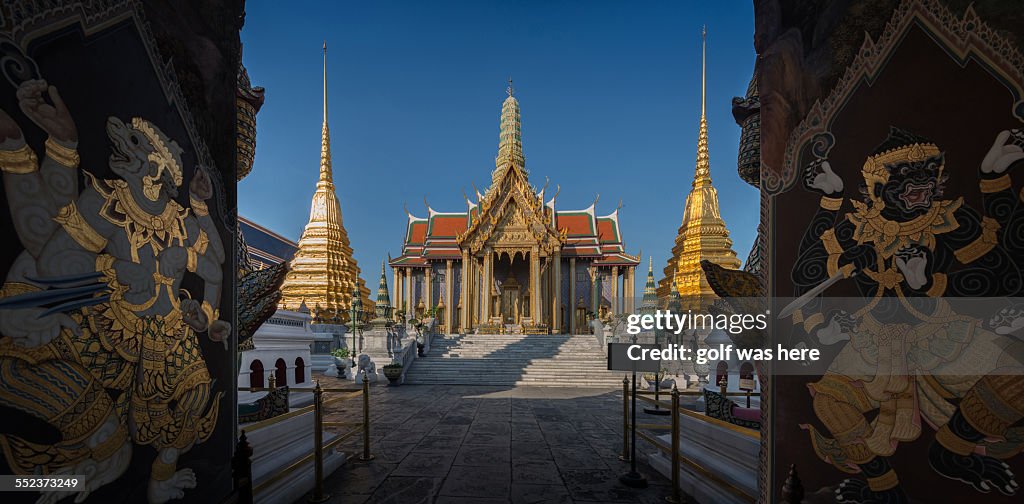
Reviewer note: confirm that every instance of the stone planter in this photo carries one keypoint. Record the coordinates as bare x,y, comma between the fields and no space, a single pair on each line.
393,374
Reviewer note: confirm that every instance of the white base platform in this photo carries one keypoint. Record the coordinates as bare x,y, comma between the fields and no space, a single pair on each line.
278,446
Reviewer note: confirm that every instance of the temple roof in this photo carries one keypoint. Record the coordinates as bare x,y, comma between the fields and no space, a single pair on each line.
511,197
587,235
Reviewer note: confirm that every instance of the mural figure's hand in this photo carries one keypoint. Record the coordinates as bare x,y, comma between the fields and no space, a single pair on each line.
27,329
1009,321
173,261
200,188
54,119
1006,150
819,177
840,328
140,281
912,261
219,331
192,315
11,137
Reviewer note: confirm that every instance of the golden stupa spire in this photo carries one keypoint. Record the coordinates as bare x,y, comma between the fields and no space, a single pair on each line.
510,144
702,176
323,270
325,135
702,235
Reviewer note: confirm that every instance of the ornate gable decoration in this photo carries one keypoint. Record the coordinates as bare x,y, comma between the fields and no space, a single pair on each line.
512,218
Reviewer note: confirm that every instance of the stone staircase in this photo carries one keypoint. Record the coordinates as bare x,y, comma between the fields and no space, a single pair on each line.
512,359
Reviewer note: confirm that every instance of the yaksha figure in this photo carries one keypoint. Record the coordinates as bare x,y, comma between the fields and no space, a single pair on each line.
97,337
909,356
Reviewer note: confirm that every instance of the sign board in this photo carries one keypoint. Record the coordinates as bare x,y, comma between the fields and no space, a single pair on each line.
619,353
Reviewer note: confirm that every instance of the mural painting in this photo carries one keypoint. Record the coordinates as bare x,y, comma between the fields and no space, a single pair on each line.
116,306
916,190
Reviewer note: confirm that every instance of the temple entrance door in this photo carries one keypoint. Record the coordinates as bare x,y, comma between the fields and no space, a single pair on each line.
509,303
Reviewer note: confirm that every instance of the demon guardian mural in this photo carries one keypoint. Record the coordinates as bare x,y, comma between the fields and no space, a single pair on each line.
112,301
909,169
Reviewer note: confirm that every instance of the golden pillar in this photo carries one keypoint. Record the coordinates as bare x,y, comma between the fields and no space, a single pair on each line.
428,282
448,322
556,293
410,303
488,273
572,295
398,288
535,284
615,290
464,293
627,288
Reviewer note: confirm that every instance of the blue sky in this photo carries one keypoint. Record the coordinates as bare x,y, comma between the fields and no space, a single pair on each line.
609,91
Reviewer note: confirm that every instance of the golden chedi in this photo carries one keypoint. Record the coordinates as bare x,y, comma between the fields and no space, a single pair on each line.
702,235
323,272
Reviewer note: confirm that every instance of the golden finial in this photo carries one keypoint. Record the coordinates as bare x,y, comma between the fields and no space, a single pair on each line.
325,81
510,90
703,68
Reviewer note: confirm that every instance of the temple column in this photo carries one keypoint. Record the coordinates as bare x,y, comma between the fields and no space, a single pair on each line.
397,295
627,290
615,290
556,293
448,322
572,295
410,303
633,289
464,293
428,282
485,316
535,284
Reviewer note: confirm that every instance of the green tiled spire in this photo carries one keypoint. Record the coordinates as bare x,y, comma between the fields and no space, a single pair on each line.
649,304
383,304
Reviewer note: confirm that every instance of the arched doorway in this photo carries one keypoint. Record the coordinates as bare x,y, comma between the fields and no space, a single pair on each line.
280,373
256,374
747,376
300,370
722,373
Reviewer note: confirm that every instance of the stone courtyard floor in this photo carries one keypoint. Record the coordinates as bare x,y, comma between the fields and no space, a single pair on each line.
478,444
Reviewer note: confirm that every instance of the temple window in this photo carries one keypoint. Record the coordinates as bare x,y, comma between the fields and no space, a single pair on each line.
256,374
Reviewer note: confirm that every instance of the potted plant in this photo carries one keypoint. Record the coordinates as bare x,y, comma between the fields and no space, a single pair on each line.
340,357
393,372
653,379
341,360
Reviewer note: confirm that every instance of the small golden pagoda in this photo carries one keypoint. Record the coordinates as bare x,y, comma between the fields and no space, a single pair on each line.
702,235
323,272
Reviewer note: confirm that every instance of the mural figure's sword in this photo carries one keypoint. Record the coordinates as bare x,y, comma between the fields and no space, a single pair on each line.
811,294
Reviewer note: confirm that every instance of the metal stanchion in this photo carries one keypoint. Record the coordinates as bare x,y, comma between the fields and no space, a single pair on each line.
318,446
748,399
656,410
633,478
241,470
677,494
625,419
366,419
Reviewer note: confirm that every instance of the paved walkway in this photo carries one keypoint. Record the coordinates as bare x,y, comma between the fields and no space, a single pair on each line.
461,444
